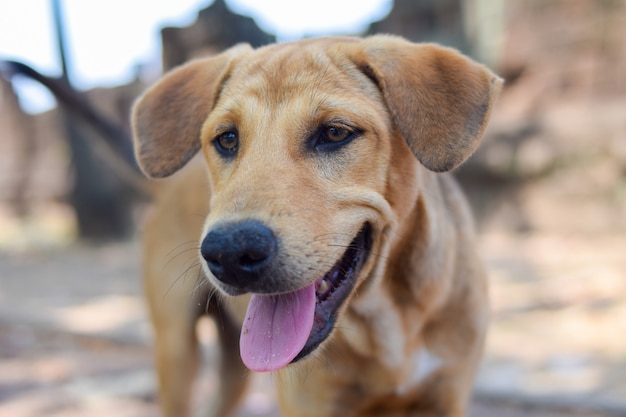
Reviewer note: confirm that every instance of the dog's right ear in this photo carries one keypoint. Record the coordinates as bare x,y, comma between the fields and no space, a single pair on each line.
168,117
439,99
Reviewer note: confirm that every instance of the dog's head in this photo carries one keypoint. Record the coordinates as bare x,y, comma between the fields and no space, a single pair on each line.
305,145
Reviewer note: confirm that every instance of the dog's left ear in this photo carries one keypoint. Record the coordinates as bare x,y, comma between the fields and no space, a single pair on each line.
168,117
439,99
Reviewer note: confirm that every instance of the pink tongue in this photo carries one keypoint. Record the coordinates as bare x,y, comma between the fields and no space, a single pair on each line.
276,328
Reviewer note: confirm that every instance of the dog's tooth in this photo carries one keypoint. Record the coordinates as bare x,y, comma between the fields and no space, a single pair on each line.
323,286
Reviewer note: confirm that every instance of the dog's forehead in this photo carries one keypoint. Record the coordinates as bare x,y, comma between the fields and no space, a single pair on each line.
279,71
282,58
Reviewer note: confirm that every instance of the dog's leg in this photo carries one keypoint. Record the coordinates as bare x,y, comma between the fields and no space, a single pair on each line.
177,364
170,284
174,317
233,375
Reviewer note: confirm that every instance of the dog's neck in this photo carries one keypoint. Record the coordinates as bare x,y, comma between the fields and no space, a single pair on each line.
413,279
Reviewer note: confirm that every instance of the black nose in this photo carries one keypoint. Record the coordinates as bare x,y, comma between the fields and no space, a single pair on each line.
238,253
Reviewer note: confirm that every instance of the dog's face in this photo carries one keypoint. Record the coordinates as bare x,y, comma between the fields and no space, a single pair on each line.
305,145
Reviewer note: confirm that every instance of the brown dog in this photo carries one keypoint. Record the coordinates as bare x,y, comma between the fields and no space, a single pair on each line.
326,204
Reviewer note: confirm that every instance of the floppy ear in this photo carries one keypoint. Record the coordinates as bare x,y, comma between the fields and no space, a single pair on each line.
439,99
168,117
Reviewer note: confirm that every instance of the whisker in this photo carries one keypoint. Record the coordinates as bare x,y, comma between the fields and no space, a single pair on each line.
175,248
176,252
201,281
213,294
182,275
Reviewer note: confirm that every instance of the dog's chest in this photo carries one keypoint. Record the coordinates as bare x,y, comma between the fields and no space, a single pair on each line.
392,340
424,364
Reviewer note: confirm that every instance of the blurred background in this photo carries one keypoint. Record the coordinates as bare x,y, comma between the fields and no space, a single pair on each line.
548,186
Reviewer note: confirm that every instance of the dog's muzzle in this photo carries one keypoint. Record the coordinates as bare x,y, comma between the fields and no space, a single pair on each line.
282,325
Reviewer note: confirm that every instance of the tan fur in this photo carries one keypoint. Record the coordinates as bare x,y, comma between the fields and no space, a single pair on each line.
421,293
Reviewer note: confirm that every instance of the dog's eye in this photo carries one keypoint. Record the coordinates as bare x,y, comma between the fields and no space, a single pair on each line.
330,138
335,134
227,143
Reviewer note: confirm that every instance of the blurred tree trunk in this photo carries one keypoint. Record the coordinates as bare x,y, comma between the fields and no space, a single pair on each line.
103,210
102,205
21,126
426,21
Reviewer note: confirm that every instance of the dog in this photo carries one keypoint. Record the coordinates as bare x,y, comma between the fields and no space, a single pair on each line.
336,250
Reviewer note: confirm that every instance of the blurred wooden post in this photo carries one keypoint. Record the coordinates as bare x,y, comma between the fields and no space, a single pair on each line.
484,29
102,211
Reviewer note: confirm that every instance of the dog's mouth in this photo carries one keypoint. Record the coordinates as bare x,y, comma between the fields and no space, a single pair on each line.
284,328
